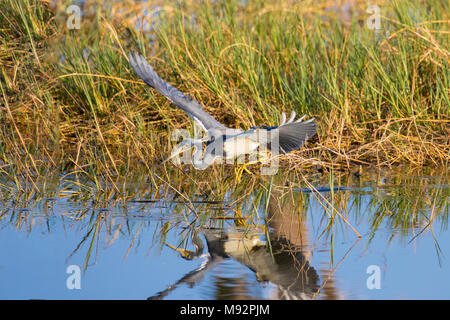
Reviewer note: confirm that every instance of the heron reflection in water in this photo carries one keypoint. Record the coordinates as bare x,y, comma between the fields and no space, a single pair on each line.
289,270
282,261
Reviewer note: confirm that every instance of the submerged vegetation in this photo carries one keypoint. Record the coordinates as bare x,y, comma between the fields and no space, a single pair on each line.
69,99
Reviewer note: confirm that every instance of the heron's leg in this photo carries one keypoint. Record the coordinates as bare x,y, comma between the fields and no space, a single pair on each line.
245,165
239,170
238,174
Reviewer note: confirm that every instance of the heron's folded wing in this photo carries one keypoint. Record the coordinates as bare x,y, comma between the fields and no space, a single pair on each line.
145,71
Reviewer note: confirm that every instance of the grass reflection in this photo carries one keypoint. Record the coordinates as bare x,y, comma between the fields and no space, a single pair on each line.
260,223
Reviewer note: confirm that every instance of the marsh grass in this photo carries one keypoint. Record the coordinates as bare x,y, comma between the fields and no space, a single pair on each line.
70,100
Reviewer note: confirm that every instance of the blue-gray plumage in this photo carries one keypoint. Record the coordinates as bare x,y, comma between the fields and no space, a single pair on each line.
223,142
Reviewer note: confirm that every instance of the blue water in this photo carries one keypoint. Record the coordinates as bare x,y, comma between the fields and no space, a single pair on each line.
129,258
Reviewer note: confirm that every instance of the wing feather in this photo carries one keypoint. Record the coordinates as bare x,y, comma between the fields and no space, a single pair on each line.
291,136
145,71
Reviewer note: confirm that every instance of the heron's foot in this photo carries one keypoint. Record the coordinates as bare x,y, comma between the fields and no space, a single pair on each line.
239,170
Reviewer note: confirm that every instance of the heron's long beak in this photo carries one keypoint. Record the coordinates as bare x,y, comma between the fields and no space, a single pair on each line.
186,254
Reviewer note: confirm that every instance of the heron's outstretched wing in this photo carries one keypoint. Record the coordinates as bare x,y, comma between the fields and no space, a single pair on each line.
145,71
291,135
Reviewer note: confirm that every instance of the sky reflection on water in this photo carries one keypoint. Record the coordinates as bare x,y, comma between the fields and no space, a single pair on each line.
122,245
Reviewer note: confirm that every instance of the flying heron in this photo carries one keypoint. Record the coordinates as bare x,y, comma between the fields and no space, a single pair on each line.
224,143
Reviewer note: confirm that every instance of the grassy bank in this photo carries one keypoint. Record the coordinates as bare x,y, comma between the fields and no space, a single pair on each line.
69,99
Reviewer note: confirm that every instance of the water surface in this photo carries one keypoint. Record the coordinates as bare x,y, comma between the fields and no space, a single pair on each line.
384,236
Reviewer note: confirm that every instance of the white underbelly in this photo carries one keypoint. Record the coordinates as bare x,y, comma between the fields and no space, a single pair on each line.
236,147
